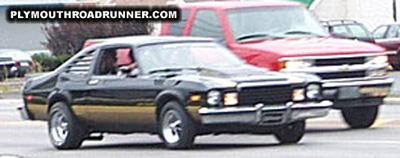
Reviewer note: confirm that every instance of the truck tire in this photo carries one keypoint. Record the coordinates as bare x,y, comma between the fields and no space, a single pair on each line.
65,131
176,128
291,133
360,117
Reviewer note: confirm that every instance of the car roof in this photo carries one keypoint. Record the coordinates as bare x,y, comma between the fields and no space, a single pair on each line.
236,4
138,41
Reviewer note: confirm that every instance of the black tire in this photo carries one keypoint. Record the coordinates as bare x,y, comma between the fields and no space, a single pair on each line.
74,133
360,117
291,133
168,127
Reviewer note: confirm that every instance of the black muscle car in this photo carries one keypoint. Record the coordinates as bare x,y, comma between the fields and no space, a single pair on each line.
178,88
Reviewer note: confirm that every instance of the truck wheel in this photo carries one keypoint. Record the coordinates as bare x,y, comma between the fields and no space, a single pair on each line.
291,133
176,127
65,131
360,117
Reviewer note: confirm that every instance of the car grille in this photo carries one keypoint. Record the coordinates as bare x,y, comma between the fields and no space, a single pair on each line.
338,75
265,95
340,61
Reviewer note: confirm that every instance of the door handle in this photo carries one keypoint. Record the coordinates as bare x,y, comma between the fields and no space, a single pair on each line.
93,82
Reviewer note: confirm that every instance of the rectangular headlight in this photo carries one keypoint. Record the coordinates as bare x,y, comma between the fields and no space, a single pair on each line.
298,95
231,98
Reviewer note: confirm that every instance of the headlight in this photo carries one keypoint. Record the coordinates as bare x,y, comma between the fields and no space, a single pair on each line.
213,97
296,64
231,98
382,59
378,72
298,95
313,91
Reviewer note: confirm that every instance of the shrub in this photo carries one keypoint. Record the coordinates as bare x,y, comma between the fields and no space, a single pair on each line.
44,62
69,37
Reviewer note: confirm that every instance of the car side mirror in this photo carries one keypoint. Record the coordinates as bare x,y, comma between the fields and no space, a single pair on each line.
125,69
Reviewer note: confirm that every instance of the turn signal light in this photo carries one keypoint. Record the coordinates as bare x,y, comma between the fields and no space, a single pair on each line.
231,98
195,98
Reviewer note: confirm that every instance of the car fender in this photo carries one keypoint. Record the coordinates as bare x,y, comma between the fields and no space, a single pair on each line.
56,96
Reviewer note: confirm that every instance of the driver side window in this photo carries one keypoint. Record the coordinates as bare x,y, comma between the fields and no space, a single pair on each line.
111,60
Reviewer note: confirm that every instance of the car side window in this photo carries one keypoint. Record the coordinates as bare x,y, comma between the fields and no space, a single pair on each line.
379,33
393,31
82,64
110,60
176,28
206,24
341,30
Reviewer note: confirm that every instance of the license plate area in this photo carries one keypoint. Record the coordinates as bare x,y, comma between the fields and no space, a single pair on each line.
349,92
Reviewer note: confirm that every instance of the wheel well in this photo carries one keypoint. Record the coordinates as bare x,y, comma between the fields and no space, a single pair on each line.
55,99
163,100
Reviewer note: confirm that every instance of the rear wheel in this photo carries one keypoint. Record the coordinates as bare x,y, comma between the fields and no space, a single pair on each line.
176,127
65,131
291,133
360,117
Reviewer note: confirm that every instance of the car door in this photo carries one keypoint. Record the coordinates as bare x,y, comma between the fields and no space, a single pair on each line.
120,102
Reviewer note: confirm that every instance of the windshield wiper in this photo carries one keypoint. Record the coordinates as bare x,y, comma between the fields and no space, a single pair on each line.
199,68
256,35
300,32
164,70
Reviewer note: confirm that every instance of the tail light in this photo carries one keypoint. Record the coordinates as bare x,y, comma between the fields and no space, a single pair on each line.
17,63
30,63
29,98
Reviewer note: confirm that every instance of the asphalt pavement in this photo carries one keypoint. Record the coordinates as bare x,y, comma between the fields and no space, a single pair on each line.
325,137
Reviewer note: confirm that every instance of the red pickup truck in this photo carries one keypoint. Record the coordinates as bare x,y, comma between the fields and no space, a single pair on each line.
284,36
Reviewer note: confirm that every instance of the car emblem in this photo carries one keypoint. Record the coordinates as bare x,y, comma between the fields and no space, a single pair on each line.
345,68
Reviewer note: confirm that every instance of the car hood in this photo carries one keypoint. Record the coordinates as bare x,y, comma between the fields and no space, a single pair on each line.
311,46
231,77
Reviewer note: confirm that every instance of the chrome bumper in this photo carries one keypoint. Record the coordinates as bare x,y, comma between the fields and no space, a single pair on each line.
23,112
262,114
358,82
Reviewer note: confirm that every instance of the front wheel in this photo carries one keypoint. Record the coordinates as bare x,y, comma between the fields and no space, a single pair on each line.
291,133
176,127
65,130
360,117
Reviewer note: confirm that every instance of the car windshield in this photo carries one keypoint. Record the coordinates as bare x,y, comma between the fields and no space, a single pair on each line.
273,22
185,55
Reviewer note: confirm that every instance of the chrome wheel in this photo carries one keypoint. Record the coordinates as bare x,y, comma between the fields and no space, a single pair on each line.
59,128
172,126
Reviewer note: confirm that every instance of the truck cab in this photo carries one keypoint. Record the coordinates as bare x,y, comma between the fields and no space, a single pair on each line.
285,37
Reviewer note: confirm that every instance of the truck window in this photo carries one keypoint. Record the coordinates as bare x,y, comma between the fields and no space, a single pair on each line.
176,28
206,24
379,33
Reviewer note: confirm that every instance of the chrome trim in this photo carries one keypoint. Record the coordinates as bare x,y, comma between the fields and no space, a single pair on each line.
336,56
368,78
254,115
339,68
266,83
358,83
23,112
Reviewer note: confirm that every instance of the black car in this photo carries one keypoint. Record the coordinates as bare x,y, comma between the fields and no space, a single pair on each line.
181,87
349,29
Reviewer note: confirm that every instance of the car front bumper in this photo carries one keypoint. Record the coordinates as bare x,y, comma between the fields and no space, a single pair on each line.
357,92
261,114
